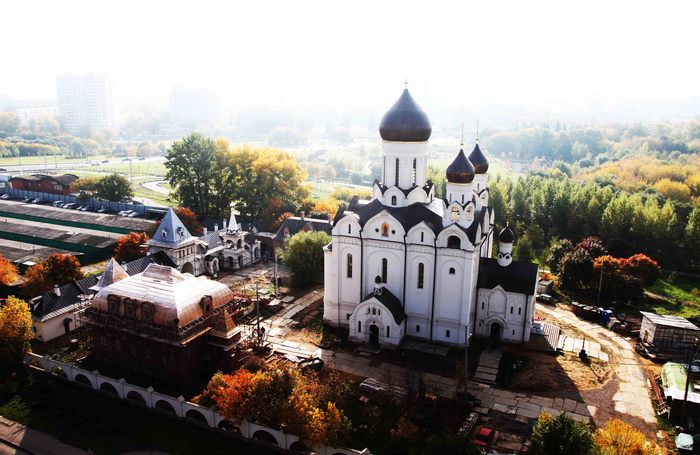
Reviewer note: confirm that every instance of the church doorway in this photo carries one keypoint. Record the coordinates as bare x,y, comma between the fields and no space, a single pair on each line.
495,335
374,334
187,268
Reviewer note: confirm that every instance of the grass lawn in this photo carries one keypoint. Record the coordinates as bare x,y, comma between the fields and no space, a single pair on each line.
50,160
681,288
104,425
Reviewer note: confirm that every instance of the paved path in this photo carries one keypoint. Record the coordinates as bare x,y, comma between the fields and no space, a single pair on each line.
19,439
573,344
487,370
155,186
630,399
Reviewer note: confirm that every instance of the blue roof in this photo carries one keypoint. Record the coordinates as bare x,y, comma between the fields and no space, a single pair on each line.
171,229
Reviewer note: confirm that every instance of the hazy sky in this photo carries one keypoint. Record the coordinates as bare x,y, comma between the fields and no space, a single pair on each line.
333,53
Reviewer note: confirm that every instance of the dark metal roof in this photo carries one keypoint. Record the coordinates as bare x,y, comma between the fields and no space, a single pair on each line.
460,170
294,224
63,179
49,302
405,121
481,164
519,276
390,301
382,187
506,235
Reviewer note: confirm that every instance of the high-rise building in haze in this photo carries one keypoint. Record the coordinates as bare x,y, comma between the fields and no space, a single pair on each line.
85,102
193,107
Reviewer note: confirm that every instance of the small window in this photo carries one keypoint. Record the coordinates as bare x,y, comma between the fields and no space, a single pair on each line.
385,266
519,311
413,174
482,305
513,332
462,198
452,270
418,329
349,266
206,304
511,310
129,308
421,273
374,311
454,242
385,230
455,213
393,200
422,235
113,303
387,331
349,229
147,311
447,333
359,326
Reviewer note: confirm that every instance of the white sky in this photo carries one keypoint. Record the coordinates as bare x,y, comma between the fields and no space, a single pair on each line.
353,53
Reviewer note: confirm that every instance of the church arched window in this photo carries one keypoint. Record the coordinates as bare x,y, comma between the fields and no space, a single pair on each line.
422,234
349,228
452,270
349,266
385,230
393,200
455,213
462,198
385,266
454,242
359,326
396,179
470,213
387,331
413,175
421,273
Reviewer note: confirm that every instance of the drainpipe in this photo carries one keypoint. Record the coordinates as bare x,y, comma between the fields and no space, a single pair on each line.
432,310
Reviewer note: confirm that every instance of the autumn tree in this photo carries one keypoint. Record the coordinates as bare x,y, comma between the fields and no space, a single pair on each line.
557,250
303,254
613,279
620,438
576,268
642,267
190,169
132,246
278,222
56,270
8,272
15,332
561,435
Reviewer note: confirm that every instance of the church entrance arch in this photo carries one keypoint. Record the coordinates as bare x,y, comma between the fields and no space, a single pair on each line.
188,268
495,334
374,334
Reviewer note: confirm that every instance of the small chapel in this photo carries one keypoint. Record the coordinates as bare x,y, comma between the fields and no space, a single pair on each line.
409,264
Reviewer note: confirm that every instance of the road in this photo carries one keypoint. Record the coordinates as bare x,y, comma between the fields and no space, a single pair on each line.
155,186
77,164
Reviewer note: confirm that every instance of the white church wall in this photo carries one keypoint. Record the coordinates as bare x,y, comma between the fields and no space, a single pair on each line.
348,279
374,254
508,309
418,301
330,293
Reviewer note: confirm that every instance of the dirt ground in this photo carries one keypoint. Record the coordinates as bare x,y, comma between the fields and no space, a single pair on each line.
546,373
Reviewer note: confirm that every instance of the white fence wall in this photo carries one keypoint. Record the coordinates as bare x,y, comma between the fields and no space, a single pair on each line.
179,407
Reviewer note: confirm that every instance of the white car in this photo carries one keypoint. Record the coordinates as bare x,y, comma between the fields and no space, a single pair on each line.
5,196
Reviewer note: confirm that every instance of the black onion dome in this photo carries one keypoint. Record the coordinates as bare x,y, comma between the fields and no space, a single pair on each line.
481,164
405,121
506,235
460,170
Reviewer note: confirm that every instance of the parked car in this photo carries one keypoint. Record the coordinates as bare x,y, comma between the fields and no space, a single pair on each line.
483,436
5,196
37,201
27,199
70,205
105,161
134,214
58,203
103,210
311,364
86,208
546,298
123,212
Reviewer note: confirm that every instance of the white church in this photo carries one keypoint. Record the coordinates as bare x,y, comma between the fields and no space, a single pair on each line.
408,264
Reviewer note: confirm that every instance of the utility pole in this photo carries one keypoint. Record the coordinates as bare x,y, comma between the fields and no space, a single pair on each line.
600,285
276,290
684,410
466,358
257,313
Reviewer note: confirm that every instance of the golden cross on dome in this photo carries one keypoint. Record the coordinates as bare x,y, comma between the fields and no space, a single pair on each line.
405,82
477,131
461,141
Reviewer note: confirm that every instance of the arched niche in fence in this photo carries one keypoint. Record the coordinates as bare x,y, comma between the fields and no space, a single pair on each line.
266,437
82,380
108,388
197,416
229,426
136,397
165,406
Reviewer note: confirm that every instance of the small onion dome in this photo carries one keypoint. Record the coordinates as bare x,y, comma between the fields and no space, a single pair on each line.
460,170
481,164
506,235
405,121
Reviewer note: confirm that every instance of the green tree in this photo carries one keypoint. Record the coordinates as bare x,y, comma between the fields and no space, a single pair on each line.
692,236
190,167
561,435
15,332
557,250
114,187
303,254
523,249
9,124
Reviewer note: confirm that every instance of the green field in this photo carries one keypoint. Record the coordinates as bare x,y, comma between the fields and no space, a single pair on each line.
681,288
49,160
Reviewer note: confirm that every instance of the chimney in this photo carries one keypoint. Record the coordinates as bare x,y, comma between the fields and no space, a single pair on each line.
303,213
57,290
216,227
206,231
224,225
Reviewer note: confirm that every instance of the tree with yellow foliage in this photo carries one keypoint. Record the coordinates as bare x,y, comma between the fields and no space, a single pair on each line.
15,332
8,272
619,438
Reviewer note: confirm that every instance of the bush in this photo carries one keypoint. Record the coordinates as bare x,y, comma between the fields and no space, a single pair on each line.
561,435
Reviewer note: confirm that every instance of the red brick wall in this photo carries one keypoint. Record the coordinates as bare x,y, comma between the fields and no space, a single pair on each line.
44,186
